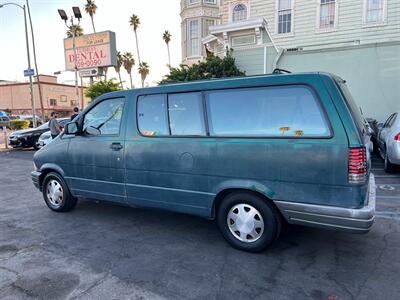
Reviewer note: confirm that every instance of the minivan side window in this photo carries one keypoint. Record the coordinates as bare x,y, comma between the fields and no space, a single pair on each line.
286,111
105,116
152,115
186,114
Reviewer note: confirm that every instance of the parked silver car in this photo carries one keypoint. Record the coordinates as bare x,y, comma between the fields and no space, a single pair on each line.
389,142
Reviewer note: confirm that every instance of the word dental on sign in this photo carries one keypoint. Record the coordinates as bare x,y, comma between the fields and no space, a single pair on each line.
92,50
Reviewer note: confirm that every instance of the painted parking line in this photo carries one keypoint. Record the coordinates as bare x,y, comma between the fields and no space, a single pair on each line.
388,197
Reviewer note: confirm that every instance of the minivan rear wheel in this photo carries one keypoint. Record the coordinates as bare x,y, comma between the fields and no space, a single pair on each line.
56,193
248,222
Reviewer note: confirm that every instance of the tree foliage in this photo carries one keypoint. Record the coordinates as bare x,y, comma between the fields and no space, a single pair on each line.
212,67
101,87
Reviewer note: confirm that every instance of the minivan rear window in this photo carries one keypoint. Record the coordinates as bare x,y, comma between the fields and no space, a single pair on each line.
286,111
152,115
351,104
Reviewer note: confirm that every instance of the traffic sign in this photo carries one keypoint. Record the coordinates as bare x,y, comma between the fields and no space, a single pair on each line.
91,72
29,72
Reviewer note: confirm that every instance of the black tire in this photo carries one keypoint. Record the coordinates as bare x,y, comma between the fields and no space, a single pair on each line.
66,203
36,144
270,217
389,167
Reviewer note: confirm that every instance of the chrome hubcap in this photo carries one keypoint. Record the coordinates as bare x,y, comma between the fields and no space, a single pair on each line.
245,223
54,193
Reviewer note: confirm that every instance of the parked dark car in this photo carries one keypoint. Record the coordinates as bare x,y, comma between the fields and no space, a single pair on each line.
28,138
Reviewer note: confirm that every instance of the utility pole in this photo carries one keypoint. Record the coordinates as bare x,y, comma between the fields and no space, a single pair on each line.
29,59
35,61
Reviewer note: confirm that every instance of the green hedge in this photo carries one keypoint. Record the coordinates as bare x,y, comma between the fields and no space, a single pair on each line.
19,124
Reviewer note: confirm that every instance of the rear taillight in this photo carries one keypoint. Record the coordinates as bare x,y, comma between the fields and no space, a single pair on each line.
397,137
357,165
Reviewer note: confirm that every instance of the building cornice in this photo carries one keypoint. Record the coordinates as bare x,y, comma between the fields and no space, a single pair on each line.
253,23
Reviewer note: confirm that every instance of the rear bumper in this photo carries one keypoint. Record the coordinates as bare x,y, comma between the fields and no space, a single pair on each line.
330,217
35,175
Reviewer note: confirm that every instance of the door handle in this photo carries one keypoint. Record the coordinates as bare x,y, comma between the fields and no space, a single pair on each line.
116,146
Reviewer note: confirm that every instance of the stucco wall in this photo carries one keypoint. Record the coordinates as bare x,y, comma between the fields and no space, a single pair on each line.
372,74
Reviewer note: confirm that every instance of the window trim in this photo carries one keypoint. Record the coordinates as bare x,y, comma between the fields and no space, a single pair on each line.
207,115
192,2
366,24
232,37
291,33
82,119
189,39
318,28
234,5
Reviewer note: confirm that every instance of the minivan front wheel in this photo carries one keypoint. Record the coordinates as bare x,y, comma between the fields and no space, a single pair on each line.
56,193
248,222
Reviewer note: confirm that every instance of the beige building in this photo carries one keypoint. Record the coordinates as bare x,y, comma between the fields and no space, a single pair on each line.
15,97
358,40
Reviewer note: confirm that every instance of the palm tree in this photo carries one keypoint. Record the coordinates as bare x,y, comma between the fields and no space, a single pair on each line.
118,66
90,8
167,39
143,71
134,21
75,28
128,62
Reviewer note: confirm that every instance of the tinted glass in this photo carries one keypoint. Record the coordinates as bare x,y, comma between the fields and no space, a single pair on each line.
273,111
392,120
354,109
105,116
152,115
186,114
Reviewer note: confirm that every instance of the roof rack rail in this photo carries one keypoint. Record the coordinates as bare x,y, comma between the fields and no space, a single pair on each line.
280,71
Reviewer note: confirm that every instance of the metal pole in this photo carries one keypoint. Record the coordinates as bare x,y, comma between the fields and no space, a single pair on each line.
82,104
75,58
29,66
35,61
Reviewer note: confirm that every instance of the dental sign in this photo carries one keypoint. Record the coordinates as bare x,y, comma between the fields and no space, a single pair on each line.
92,51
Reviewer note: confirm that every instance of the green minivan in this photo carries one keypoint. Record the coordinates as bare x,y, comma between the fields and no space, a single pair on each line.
250,152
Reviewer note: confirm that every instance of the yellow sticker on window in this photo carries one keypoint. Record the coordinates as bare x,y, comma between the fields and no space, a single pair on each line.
149,133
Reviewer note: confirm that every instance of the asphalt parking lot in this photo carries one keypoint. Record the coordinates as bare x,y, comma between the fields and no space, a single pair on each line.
105,251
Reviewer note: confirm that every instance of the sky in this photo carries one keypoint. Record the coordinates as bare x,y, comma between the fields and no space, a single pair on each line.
49,29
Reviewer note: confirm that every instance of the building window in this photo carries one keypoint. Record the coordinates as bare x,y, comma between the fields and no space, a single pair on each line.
243,40
74,103
239,13
327,14
285,13
374,11
210,1
53,102
191,2
194,37
207,25
63,98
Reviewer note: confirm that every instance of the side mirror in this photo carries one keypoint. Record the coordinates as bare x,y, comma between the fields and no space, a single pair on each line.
90,130
71,128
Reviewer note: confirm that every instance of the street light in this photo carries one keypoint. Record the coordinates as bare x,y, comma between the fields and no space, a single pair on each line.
72,27
29,59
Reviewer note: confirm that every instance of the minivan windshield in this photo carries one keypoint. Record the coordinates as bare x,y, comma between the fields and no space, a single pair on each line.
354,109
